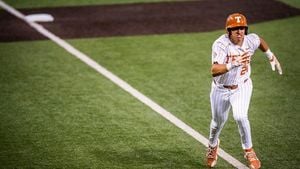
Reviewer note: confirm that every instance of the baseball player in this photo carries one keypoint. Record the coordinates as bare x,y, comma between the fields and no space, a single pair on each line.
232,86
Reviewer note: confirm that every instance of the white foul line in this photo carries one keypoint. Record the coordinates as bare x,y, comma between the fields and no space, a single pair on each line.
121,83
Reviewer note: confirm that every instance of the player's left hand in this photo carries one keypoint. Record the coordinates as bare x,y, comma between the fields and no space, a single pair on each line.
275,64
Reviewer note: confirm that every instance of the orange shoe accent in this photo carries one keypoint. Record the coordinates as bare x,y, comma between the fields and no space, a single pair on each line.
212,155
253,161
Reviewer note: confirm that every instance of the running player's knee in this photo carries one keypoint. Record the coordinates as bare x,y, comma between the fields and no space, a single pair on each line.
240,118
218,122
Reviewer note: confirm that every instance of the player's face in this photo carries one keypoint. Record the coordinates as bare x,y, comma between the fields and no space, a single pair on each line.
237,35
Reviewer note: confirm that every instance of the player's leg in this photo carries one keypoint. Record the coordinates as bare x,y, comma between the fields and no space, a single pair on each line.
219,107
240,105
240,102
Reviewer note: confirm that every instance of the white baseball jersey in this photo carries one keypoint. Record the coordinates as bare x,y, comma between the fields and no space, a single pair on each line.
224,51
223,99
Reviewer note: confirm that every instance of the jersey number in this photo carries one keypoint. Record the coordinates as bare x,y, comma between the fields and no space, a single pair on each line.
244,69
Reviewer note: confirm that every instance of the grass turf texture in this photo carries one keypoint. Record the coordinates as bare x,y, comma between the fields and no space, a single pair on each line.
58,113
294,3
174,71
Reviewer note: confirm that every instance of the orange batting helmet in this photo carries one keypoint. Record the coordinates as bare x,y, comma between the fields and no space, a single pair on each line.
236,20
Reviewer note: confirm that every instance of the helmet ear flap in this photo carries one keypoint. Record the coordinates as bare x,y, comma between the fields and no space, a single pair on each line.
228,32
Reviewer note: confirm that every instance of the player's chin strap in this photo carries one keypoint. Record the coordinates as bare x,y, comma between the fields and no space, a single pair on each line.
273,61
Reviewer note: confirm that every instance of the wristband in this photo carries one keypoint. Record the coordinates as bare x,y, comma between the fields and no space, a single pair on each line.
269,54
228,66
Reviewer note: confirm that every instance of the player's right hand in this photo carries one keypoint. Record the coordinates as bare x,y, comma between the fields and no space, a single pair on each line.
275,64
239,61
242,60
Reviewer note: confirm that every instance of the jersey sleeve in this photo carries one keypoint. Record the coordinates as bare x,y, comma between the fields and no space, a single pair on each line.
218,52
255,40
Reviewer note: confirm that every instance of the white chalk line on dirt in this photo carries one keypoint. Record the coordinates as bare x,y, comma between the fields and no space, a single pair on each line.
124,85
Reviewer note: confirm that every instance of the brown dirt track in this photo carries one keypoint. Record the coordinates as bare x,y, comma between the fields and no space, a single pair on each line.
142,18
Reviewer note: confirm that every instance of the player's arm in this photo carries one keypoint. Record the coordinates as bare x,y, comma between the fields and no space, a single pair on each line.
218,54
272,58
218,69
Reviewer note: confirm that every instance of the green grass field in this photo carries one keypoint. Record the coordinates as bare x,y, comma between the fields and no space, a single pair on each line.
56,112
